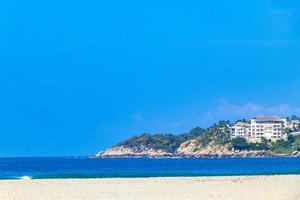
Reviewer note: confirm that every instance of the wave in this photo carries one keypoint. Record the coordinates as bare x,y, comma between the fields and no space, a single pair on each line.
25,178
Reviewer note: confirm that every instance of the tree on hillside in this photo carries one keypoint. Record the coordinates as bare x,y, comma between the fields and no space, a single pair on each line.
242,120
297,143
224,122
222,137
282,146
294,117
291,139
240,143
193,133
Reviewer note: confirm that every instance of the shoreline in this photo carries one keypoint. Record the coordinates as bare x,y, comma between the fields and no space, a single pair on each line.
195,157
111,153
149,178
29,178
276,187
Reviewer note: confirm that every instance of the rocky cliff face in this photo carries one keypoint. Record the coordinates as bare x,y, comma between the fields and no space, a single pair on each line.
192,149
140,151
187,149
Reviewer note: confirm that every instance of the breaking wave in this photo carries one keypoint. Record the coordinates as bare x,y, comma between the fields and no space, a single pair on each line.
25,177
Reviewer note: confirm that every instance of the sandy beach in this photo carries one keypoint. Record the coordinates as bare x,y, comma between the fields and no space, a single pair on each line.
285,187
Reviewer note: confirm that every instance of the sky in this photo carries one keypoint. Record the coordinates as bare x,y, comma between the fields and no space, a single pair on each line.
79,76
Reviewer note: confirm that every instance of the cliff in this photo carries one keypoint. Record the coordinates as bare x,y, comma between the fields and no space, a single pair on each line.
192,149
139,151
188,149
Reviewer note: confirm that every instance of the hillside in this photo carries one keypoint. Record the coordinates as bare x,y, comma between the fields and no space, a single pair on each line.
215,141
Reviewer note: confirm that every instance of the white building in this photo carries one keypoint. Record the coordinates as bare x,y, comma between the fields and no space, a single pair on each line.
271,128
293,125
241,129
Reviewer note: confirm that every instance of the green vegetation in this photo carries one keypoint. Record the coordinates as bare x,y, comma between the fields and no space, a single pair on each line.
297,144
166,142
218,134
263,145
294,117
195,132
240,143
286,146
281,146
242,120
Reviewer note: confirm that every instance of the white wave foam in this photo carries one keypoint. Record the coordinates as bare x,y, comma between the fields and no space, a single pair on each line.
25,177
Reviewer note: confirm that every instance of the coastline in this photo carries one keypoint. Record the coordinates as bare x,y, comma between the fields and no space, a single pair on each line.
276,187
254,154
192,156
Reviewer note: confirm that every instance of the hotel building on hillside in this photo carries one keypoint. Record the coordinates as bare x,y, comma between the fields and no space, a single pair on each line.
241,129
271,128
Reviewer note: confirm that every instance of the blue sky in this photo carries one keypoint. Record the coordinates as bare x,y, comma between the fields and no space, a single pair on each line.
79,76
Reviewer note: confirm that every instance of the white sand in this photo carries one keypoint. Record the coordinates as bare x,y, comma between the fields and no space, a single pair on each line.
285,187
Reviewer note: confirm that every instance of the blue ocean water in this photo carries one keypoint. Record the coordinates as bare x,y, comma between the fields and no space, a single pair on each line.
71,167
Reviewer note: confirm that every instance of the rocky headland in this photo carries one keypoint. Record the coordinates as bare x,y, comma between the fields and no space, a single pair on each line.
213,142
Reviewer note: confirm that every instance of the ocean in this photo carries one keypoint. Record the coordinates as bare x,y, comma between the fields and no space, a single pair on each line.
83,167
